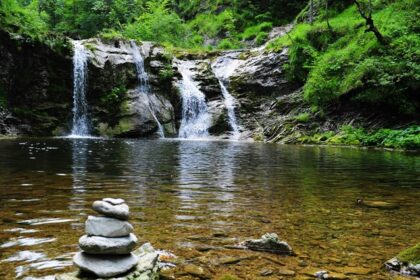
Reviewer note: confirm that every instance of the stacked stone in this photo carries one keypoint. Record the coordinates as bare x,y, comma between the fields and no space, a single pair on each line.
109,240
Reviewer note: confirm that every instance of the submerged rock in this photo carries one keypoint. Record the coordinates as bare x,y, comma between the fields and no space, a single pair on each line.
105,267
107,227
103,245
377,204
406,262
269,242
120,211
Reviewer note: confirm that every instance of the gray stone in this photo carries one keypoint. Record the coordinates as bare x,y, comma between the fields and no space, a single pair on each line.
269,242
402,268
103,245
108,266
114,201
114,211
108,227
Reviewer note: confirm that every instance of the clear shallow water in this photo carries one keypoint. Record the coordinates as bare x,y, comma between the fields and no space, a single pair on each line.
182,192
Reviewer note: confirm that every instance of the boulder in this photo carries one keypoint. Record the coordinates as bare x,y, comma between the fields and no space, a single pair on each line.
120,211
107,227
102,245
105,266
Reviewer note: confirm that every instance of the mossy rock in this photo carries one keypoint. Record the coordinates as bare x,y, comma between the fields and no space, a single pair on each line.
410,255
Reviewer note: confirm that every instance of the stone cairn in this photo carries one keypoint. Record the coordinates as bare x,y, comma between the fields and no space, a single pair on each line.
108,244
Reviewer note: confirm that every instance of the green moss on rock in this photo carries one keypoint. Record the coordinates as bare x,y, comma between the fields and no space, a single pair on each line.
410,255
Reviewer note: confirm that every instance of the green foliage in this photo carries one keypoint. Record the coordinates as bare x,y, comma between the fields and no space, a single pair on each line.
303,117
3,97
112,100
158,24
408,138
198,24
347,62
410,255
166,73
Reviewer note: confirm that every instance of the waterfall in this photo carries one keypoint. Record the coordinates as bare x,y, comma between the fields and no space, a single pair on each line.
221,74
80,106
144,87
195,118
230,107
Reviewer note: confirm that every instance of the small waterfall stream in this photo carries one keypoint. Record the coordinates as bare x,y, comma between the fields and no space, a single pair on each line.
222,71
144,87
80,105
195,117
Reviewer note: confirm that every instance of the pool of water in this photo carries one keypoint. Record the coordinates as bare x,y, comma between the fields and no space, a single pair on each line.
183,192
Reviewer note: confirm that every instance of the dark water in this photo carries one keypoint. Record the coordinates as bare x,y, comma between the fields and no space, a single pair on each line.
182,192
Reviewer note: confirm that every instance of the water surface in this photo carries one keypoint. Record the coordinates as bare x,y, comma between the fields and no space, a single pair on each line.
183,192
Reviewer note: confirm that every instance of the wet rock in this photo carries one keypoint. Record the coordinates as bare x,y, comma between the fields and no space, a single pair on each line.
377,204
114,211
103,245
204,248
269,242
286,272
266,272
107,227
323,274
105,267
406,262
148,267
356,270
196,271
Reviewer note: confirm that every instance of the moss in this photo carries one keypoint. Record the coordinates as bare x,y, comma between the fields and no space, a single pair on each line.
408,138
346,63
410,255
227,277
303,117
3,99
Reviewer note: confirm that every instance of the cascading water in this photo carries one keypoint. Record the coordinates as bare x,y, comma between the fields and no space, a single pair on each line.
80,105
195,118
221,74
144,87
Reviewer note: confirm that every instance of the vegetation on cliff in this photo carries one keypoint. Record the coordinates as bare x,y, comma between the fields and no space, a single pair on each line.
363,54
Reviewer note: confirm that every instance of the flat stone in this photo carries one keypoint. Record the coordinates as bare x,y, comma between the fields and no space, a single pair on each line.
356,270
114,201
104,245
120,211
286,272
108,227
378,204
105,266
196,271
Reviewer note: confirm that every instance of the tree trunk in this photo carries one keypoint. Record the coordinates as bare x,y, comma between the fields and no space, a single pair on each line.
311,12
326,15
369,21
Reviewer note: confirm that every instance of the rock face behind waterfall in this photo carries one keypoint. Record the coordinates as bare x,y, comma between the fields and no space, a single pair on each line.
35,86
117,108
40,101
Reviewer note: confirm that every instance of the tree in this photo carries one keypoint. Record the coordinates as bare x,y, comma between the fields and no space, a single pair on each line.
311,11
366,13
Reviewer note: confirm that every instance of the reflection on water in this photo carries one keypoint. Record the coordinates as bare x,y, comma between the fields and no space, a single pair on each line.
182,193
